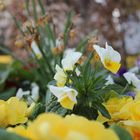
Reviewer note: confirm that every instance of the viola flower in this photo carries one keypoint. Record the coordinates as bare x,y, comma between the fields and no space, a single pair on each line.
132,94
60,76
36,50
31,96
132,79
12,112
121,71
68,63
109,57
70,60
20,93
50,126
66,96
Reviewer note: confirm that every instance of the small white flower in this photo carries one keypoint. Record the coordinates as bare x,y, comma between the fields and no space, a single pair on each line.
70,60
110,80
20,93
36,50
68,63
132,79
109,57
65,95
34,94
60,76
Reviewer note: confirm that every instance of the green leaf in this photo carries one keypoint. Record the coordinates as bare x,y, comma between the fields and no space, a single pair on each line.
121,132
4,135
68,25
38,109
102,109
7,94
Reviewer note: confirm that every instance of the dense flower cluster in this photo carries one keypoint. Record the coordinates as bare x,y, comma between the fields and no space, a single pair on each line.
52,126
13,112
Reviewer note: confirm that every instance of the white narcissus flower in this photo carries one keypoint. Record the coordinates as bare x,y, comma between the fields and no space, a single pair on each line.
109,57
132,79
110,80
36,50
70,60
20,93
60,76
66,96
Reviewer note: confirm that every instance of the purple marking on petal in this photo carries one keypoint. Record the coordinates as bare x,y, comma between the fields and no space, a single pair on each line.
138,62
132,94
121,71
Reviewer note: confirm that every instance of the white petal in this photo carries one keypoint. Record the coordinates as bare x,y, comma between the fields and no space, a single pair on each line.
57,91
36,49
20,93
110,80
112,54
132,78
69,61
61,92
100,51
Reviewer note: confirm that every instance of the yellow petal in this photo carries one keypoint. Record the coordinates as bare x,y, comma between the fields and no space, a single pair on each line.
112,66
67,103
5,59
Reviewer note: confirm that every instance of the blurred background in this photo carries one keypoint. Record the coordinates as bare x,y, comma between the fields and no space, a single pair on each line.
115,21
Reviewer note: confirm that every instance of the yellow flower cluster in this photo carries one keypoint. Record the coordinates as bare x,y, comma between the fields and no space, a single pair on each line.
12,112
126,112
54,127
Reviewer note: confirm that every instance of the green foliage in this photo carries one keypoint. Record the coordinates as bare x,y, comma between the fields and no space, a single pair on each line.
122,133
53,106
4,135
38,109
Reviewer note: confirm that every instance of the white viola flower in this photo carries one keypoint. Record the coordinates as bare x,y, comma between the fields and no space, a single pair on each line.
110,80
60,76
132,79
34,94
66,96
109,57
69,51
36,50
20,93
70,60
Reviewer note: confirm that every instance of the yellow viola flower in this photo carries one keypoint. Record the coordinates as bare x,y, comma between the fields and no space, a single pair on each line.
5,59
109,57
60,76
66,96
118,109
12,112
16,111
52,126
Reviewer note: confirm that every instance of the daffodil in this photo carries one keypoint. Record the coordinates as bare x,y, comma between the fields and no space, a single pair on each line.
132,79
66,96
109,57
